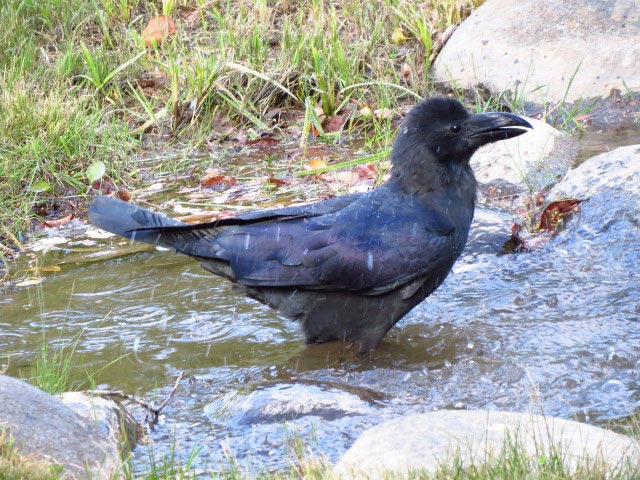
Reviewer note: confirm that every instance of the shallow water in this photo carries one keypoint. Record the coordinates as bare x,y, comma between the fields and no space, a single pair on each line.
556,330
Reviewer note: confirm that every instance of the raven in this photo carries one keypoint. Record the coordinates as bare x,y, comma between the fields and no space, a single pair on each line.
350,267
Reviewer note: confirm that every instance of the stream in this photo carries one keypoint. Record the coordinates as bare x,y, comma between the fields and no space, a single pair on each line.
556,330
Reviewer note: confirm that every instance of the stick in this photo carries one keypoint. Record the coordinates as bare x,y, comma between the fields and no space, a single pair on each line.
155,412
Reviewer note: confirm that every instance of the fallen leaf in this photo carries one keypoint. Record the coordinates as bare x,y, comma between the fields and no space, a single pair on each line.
278,181
30,282
124,195
366,171
346,177
264,142
212,179
39,187
158,28
49,268
315,164
57,223
104,185
334,124
584,117
555,212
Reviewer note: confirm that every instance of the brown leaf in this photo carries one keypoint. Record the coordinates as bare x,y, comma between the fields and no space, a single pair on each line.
158,28
264,142
555,212
104,185
366,171
278,181
123,194
57,223
334,124
211,179
315,163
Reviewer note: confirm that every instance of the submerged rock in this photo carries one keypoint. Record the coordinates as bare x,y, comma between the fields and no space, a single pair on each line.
547,50
287,402
42,425
431,440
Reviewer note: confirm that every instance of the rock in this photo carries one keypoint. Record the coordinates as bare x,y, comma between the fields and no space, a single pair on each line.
42,425
618,169
116,425
610,183
427,441
535,47
528,163
286,402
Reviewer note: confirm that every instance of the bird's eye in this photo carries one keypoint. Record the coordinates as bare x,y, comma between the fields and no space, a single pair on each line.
456,128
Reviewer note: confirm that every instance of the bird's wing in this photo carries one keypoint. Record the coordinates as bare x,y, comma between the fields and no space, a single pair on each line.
359,249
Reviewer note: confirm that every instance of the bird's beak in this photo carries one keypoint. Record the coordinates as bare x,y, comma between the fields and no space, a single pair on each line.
483,128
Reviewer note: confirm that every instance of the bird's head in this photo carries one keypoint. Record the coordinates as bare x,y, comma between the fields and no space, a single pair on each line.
439,136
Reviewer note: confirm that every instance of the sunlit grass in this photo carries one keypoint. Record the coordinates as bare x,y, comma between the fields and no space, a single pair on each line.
14,466
79,85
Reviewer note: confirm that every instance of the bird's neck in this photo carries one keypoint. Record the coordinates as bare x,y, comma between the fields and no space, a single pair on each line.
415,179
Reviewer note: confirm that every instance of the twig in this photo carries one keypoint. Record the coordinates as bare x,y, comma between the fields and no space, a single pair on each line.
125,396
171,393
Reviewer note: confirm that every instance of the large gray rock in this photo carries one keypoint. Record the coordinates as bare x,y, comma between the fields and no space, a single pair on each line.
42,425
525,164
429,440
610,184
618,169
540,44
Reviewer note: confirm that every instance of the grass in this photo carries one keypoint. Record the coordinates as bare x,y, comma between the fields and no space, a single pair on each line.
14,466
79,85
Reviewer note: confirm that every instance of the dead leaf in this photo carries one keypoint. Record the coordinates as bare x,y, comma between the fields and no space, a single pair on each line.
555,212
264,142
57,223
278,181
314,151
334,124
346,177
366,171
30,282
158,28
49,268
123,194
583,118
211,179
315,164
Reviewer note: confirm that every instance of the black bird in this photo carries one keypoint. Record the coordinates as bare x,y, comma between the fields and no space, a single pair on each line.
350,267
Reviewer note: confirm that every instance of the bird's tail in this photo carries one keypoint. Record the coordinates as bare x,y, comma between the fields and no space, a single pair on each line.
133,222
